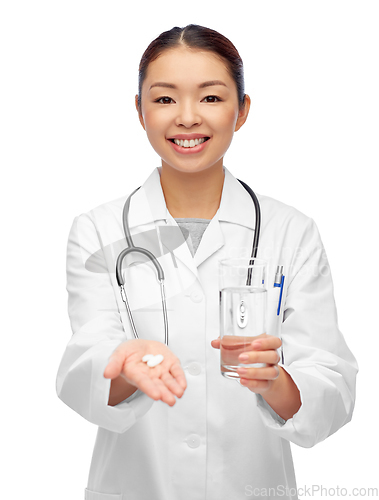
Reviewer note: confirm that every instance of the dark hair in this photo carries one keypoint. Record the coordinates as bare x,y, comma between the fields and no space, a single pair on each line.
196,37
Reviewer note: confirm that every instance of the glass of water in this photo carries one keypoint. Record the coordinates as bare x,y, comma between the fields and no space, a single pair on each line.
243,304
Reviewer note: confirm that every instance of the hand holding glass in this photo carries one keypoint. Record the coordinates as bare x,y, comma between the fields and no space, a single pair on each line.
242,310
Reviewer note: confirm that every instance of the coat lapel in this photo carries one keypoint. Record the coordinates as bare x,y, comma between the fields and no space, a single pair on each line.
236,207
212,240
148,208
182,252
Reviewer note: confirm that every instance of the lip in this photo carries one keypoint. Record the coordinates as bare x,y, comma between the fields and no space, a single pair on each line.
187,136
189,151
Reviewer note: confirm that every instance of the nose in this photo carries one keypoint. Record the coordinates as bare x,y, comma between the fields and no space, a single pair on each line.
188,115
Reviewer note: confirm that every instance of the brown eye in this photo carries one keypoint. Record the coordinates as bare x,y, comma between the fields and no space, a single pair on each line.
164,100
212,98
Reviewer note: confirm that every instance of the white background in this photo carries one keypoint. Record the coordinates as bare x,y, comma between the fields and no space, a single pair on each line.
70,140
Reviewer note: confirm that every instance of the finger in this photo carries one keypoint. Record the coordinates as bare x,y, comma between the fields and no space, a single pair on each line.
264,373
256,385
178,373
216,343
150,386
157,387
166,395
270,357
172,384
114,366
266,343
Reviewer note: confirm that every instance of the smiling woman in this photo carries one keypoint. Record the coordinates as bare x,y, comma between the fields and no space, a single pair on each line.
200,102
180,429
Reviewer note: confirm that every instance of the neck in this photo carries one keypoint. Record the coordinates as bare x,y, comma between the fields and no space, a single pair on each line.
192,195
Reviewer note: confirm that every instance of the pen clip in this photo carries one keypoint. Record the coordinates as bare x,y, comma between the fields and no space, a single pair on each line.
278,276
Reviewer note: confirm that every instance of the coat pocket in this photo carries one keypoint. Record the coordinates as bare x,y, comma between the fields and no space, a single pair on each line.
95,495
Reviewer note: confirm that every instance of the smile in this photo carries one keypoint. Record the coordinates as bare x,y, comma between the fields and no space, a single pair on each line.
188,147
189,144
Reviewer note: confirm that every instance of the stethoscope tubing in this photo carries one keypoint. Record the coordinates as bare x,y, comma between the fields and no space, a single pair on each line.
160,273
257,229
133,249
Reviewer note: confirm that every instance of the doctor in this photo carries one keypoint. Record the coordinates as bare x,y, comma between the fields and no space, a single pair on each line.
181,430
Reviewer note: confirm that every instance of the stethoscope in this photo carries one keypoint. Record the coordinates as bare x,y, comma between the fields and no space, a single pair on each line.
160,274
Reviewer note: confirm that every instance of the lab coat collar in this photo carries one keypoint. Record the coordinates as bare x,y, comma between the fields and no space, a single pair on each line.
236,204
148,204
236,207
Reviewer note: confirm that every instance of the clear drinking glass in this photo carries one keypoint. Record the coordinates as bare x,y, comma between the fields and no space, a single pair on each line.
243,304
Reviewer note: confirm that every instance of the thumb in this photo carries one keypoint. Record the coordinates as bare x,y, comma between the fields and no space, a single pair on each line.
114,366
216,343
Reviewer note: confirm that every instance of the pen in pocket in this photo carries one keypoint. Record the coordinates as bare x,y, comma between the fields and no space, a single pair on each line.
279,283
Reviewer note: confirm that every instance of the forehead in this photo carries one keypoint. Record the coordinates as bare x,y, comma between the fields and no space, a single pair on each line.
185,66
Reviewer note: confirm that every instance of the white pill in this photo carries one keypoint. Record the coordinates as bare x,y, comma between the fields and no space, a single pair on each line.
155,360
147,357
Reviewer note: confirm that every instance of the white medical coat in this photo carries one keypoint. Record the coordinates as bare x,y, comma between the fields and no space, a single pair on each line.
220,440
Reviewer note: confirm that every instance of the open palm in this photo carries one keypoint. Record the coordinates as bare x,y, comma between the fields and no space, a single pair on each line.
162,382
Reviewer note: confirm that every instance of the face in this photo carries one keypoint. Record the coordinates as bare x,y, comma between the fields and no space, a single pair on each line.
188,95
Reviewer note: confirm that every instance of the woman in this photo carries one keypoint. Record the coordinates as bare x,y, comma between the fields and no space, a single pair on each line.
212,438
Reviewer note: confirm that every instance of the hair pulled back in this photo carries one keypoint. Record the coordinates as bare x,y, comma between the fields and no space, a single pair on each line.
195,37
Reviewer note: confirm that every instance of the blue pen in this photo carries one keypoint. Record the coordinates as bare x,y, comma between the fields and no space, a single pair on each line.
279,283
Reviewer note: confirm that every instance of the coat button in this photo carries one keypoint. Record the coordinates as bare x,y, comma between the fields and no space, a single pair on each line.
193,441
196,296
194,368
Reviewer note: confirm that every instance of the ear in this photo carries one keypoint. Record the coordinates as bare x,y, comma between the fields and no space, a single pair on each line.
139,112
243,113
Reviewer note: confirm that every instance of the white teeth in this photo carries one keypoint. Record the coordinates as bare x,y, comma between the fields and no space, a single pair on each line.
189,144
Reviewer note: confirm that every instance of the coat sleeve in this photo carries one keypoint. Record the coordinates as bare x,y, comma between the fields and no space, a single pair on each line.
97,331
316,355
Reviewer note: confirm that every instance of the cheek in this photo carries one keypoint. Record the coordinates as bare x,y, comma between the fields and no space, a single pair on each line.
153,125
151,121
226,121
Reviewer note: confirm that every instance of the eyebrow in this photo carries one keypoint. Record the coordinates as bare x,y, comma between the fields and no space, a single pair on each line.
211,83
